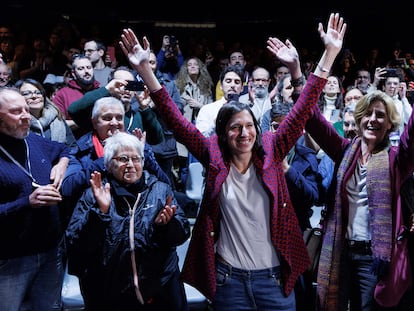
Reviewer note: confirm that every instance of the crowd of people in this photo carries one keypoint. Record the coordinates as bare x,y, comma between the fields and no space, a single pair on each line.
95,143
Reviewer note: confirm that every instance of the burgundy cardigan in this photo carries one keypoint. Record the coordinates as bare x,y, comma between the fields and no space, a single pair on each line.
199,265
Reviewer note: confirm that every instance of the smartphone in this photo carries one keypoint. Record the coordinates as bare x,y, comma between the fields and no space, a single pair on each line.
391,72
135,86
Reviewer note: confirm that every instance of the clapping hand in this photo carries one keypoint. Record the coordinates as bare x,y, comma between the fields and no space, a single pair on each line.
167,213
142,136
101,192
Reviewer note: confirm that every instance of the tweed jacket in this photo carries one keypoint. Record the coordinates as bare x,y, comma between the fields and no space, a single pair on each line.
199,266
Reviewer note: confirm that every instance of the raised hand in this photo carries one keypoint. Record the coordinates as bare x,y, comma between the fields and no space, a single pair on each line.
335,31
132,49
142,136
138,56
285,52
101,193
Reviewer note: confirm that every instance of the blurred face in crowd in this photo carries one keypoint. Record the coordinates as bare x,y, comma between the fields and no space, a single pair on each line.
287,91
109,121
260,82
4,74
237,58
349,126
280,72
392,86
193,67
153,61
14,114
332,86
34,98
83,71
352,96
231,84
91,50
125,96
223,63
363,80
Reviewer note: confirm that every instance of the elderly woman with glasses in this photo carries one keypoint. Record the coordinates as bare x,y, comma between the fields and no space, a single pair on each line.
123,234
46,118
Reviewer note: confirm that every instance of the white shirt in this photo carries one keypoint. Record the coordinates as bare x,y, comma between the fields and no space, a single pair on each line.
206,119
259,107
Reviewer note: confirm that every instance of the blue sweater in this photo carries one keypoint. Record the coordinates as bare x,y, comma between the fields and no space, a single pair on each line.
25,230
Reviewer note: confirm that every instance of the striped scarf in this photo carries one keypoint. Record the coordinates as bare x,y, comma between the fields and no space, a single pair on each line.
379,201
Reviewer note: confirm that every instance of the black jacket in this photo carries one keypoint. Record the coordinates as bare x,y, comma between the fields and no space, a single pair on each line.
98,244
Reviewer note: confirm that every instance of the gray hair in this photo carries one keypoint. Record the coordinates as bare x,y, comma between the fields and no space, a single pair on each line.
106,101
119,141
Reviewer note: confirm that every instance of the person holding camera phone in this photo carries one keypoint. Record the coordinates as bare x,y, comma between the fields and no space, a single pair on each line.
392,81
169,57
122,85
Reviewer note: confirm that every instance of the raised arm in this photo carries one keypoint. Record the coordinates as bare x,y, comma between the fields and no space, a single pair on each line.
184,131
138,58
332,39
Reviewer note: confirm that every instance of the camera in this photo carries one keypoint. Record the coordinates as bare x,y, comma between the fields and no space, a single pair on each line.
173,44
135,86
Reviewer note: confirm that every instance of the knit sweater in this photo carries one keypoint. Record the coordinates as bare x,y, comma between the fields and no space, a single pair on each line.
25,230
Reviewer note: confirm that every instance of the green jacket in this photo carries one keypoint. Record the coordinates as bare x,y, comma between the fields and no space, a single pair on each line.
146,120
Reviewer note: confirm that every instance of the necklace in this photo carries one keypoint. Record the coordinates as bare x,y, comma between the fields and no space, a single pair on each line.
28,171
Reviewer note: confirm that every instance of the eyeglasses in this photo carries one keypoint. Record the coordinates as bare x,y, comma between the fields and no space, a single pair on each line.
125,159
89,51
29,94
347,124
363,77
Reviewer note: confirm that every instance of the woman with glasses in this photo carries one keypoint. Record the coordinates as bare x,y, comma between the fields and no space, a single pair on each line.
123,235
46,118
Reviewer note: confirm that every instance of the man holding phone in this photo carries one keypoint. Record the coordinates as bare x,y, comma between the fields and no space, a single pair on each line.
136,86
121,81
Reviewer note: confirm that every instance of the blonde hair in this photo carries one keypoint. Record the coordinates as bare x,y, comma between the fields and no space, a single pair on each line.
368,100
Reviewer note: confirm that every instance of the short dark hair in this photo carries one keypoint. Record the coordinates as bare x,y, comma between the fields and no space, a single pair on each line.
232,68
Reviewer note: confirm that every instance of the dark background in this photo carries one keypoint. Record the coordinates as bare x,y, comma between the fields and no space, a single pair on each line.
386,25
